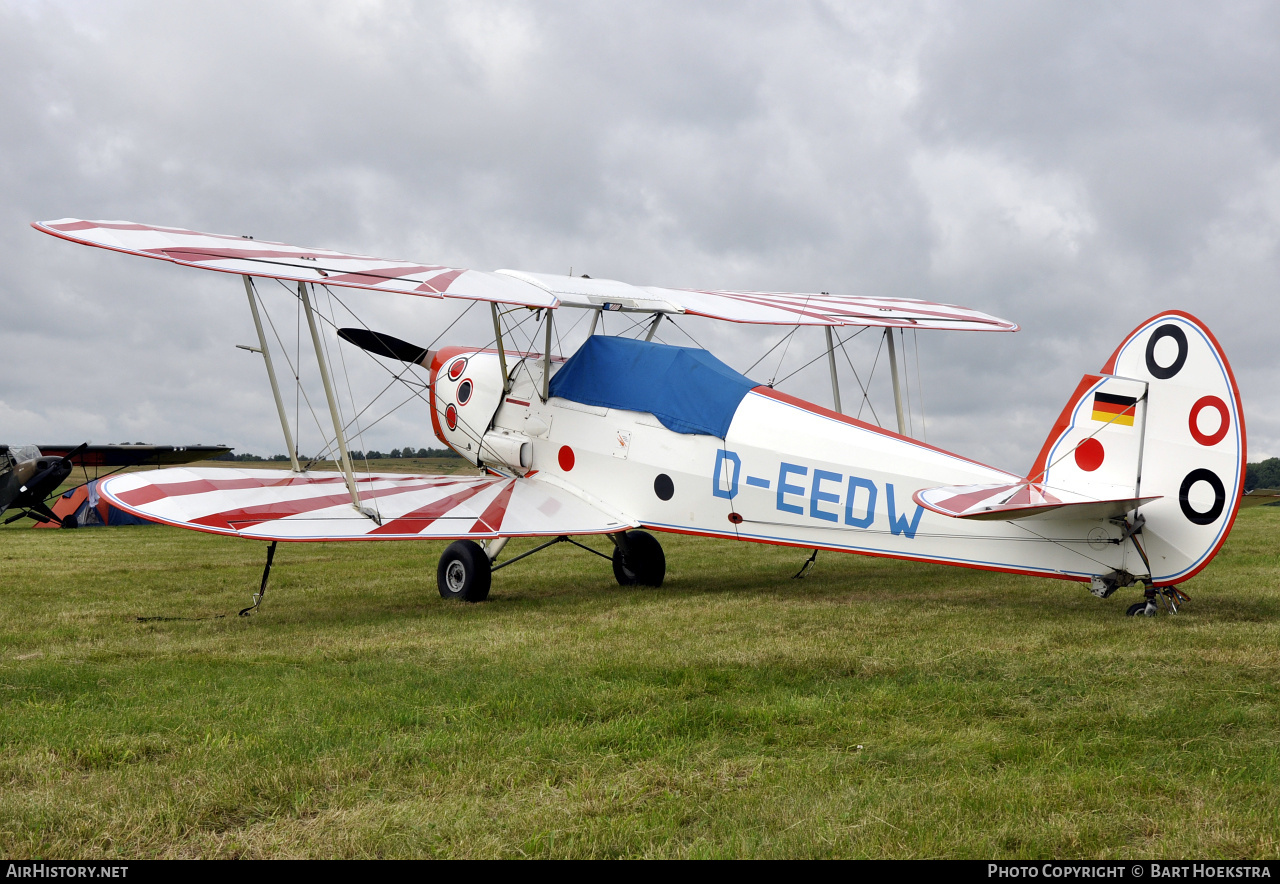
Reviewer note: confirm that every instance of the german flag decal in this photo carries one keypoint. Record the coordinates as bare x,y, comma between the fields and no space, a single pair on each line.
1114,409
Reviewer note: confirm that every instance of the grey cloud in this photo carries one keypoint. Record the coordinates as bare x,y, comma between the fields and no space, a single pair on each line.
1074,167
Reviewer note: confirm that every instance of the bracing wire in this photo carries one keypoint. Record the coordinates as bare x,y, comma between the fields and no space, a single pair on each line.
863,388
866,396
437,337
771,349
346,374
297,375
672,321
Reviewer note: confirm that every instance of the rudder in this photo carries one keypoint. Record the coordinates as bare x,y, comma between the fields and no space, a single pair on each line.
1164,418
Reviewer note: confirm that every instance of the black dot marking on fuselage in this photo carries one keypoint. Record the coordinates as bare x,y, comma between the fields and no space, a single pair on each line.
664,487
1161,372
1219,497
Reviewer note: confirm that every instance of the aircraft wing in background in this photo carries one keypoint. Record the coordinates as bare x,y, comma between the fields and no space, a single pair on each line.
135,455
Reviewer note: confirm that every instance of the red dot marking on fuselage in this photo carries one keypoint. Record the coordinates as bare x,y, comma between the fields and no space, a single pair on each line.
1224,420
455,369
1089,455
451,416
566,458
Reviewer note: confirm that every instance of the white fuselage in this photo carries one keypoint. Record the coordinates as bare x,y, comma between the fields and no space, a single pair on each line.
787,472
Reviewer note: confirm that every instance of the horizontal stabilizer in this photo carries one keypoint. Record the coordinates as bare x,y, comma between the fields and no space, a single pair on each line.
282,505
1023,500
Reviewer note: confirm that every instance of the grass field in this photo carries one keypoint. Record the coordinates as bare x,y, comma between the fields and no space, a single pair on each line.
875,708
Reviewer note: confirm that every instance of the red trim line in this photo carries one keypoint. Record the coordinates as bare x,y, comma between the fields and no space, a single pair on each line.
728,535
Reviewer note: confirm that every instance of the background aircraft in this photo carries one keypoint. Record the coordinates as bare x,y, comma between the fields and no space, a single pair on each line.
1138,481
31,474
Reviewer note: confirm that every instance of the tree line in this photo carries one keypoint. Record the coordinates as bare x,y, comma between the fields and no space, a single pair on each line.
1265,474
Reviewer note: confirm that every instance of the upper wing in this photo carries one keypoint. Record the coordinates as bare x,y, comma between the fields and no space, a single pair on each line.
282,505
767,308
235,254
242,255
1023,500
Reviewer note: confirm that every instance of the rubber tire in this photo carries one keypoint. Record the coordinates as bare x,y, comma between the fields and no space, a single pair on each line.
70,522
1137,610
464,572
644,565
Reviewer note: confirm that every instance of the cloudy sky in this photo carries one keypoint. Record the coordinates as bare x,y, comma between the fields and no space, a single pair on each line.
1074,167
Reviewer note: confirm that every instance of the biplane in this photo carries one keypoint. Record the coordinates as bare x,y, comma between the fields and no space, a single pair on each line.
1137,483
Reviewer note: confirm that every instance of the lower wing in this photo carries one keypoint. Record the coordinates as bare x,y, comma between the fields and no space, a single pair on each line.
282,505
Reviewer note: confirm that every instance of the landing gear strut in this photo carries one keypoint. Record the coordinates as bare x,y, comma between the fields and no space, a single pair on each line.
466,569
1168,598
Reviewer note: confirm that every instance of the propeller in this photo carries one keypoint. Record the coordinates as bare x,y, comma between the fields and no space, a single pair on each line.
381,344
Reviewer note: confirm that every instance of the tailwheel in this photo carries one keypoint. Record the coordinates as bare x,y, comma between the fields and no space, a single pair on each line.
638,559
464,572
1169,598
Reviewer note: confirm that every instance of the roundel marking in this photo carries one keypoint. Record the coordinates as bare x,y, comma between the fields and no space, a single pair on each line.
1164,372
1219,497
1224,420
735,518
464,391
456,367
1090,454
451,416
664,487
565,458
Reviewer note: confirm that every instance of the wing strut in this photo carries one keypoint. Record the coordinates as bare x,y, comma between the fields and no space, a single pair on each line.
546,360
831,362
347,472
897,392
271,374
657,318
502,354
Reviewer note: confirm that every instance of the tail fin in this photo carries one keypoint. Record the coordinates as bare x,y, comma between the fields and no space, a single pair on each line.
1163,419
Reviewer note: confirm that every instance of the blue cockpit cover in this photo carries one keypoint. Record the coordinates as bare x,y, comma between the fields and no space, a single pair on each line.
689,390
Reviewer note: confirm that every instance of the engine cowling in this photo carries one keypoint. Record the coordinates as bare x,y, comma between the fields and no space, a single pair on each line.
466,391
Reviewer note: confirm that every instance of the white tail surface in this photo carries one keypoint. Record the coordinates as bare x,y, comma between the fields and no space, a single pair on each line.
1163,420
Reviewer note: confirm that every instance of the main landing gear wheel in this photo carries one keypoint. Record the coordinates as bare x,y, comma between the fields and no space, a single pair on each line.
642,563
464,572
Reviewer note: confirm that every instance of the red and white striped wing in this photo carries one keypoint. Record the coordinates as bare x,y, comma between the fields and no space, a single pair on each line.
281,505
789,308
236,254
766,308
1022,500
